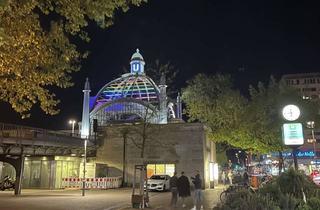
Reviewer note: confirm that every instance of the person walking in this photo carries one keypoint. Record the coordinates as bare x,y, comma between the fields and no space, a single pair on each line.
223,177
230,175
183,188
197,191
174,190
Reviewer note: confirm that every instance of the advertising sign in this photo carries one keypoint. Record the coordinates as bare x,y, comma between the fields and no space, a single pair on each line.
292,134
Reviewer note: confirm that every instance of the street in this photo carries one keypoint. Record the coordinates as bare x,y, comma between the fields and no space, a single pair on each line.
94,200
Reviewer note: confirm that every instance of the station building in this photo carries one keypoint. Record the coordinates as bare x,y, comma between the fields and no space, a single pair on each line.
133,109
130,121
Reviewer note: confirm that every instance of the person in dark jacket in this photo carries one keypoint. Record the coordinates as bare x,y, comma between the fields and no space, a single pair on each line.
183,188
174,189
246,178
197,190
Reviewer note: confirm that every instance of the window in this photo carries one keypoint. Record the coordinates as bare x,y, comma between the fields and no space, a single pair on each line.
156,169
288,82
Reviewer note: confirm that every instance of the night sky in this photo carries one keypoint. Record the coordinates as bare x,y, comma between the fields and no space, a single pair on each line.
248,39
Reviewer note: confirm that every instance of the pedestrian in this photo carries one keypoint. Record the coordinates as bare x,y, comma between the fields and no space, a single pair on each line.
183,188
197,191
174,189
230,175
246,177
223,177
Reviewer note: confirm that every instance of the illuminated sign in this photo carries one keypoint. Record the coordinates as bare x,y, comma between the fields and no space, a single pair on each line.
292,134
291,112
298,153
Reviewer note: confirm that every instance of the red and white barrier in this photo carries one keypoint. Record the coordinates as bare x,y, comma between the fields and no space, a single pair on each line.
92,183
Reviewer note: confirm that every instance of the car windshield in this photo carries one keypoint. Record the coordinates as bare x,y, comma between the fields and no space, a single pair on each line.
158,177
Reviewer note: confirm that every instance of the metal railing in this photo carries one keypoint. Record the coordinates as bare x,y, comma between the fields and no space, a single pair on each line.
12,131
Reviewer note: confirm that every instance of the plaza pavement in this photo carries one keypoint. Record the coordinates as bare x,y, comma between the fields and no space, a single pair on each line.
162,202
116,199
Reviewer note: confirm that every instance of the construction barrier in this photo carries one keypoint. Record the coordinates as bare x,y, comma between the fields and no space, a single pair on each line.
92,183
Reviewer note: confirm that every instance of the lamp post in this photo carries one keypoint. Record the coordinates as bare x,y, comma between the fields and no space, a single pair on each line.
72,123
84,167
310,124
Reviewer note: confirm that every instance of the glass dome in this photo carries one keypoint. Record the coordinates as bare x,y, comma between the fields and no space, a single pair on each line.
129,86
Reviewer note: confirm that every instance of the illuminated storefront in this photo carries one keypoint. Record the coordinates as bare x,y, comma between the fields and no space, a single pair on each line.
167,169
48,172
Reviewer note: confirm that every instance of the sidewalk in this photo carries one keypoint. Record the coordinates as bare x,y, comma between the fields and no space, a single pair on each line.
211,199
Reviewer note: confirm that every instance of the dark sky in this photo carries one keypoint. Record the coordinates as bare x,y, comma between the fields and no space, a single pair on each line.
250,39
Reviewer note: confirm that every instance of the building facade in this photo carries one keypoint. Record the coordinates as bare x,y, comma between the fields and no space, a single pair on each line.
168,148
132,113
308,84
132,122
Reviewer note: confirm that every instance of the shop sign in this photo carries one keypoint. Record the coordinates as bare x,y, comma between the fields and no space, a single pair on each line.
292,134
299,154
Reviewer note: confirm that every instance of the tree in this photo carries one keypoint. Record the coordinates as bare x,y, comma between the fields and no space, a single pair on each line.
35,48
264,117
213,101
157,69
252,124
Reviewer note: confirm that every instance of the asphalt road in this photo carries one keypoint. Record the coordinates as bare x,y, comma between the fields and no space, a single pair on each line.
94,200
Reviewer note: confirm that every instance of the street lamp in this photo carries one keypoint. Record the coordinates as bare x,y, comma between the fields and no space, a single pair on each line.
84,167
72,123
310,124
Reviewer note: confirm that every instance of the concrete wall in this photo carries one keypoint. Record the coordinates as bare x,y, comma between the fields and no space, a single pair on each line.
184,144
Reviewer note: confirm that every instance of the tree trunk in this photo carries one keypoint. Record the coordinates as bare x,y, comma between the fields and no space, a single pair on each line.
295,160
280,162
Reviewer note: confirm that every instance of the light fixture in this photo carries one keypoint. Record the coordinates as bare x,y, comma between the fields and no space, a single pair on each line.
72,123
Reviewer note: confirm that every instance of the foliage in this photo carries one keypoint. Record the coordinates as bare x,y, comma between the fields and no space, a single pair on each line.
314,203
264,117
170,72
35,48
245,200
288,189
293,182
222,158
213,101
254,124
283,193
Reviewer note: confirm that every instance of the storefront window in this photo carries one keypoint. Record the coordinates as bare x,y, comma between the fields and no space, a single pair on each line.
151,169
170,168
160,169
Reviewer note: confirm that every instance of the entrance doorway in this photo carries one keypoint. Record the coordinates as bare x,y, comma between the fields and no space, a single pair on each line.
167,169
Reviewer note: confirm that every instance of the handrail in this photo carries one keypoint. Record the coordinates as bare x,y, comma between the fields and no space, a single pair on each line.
17,128
17,134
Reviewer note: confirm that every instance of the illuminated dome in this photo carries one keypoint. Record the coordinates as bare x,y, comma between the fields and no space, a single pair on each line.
128,86
131,97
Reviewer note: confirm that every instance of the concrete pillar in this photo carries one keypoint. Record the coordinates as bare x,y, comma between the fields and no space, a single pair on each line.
163,100
19,166
85,123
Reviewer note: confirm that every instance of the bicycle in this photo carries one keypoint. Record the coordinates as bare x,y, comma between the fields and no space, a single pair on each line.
232,189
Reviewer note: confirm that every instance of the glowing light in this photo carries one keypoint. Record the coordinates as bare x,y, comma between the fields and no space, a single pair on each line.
214,171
